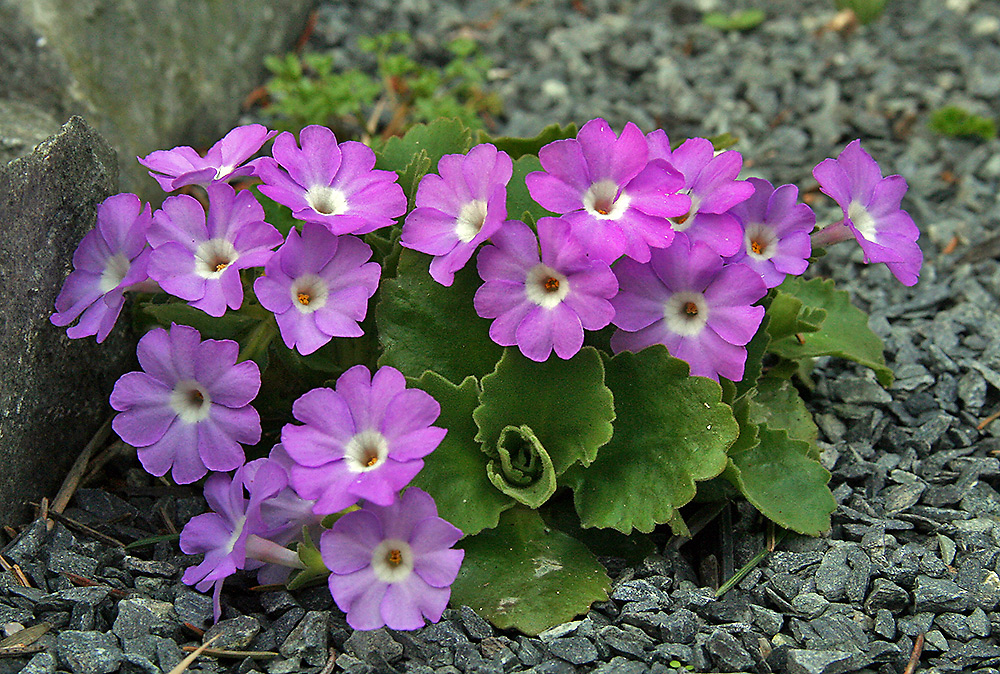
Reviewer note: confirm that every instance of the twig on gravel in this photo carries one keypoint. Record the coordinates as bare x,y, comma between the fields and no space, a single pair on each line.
918,647
100,460
331,662
72,480
16,571
80,526
746,568
986,422
186,662
83,581
225,653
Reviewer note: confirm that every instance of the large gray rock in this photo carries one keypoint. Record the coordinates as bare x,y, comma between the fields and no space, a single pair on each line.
53,390
148,75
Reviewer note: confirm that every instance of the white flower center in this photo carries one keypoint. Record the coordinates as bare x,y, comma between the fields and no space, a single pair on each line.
603,202
686,313
213,256
545,286
223,171
761,241
115,268
237,530
470,220
863,220
366,451
309,293
326,200
190,401
392,560
682,222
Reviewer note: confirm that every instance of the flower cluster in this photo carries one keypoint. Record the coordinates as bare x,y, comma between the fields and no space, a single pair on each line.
655,244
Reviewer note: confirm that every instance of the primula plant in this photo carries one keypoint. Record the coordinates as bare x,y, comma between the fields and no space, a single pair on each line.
459,368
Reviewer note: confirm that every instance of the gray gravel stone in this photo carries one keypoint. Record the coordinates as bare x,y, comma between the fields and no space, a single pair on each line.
308,640
234,633
88,652
575,649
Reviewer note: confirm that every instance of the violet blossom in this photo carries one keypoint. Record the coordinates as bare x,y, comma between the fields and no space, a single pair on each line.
198,258
710,181
318,285
686,299
615,201
542,303
189,409
775,232
872,213
458,209
227,159
364,440
111,259
392,565
335,185
234,535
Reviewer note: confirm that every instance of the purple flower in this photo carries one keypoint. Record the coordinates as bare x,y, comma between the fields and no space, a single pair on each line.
711,182
392,566
233,535
459,209
775,232
189,409
542,304
686,299
318,285
199,259
872,213
614,200
110,259
365,440
182,166
330,184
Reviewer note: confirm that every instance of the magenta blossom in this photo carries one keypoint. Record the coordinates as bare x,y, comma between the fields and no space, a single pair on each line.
227,159
872,213
614,200
111,259
459,209
542,303
318,285
392,566
686,299
710,181
364,440
775,232
189,409
234,535
335,185
199,259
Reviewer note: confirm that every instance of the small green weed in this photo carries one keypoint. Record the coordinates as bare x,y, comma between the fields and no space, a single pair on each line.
952,120
308,89
866,10
742,20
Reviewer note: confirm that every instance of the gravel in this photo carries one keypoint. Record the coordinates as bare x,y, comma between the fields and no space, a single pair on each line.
915,544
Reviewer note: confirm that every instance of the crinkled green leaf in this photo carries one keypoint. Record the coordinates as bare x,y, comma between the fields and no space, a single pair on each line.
788,316
230,325
565,402
528,576
844,332
866,10
519,201
787,485
441,137
672,430
779,405
424,325
560,513
455,473
756,349
523,470
518,147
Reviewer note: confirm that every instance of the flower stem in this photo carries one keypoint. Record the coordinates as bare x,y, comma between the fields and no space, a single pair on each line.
264,550
831,234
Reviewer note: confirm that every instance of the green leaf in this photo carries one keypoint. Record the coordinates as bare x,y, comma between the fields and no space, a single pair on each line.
455,473
844,332
519,201
672,430
788,316
230,325
722,141
315,570
780,478
866,10
778,405
527,576
441,137
560,514
519,147
524,469
565,402
424,325
740,20
756,348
